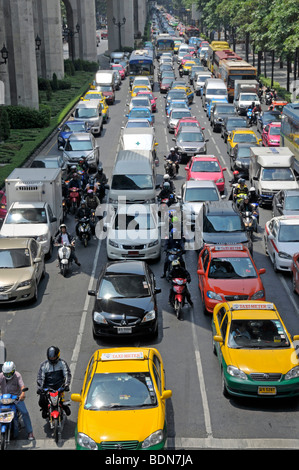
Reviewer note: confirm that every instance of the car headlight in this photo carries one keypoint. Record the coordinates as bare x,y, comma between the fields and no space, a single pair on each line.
237,373
292,374
149,316
153,439
220,180
99,318
85,441
213,295
42,238
112,243
153,243
258,295
284,255
25,283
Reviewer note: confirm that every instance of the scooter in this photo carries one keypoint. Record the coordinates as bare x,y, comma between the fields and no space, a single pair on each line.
170,168
248,222
56,413
74,199
65,259
84,230
179,288
8,410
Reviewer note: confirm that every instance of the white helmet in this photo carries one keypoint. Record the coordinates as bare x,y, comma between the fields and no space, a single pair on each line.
166,177
8,369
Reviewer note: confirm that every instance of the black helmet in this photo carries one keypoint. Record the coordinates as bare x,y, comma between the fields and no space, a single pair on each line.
53,354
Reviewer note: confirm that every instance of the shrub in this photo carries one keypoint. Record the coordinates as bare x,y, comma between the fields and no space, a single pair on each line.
22,117
4,124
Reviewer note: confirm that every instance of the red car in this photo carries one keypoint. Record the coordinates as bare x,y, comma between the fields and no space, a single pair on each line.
165,84
3,207
187,121
152,98
104,34
271,135
206,167
227,273
120,69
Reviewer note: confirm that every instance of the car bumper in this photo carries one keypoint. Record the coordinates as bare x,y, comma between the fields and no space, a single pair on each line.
142,329
17,295
283,264
147,253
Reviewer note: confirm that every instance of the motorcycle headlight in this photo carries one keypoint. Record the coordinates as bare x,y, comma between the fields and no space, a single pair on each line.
237,373
85,441
99,318
258,295
213,295
153,439
149,316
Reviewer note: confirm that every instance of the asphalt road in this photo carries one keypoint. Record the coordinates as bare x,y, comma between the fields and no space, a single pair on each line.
198,415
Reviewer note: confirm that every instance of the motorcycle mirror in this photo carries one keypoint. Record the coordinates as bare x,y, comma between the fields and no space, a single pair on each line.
92,292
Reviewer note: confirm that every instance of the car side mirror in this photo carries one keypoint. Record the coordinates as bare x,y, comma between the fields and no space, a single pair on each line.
92,292
76,397
200,272
166,394
262,271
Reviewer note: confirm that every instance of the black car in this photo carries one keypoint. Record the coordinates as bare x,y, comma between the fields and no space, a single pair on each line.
240,159
221,223
219,111
286,202
125,303
267,117
230,123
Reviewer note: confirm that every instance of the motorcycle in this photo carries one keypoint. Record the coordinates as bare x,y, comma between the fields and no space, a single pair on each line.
56,413
172,255
64,208
84,230
64,256
252,117
74,199
8,411
268,97
248,222
170,168
179,288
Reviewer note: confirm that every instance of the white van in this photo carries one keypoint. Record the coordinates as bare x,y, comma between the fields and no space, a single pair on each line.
270,170
136,138
133,178
213,88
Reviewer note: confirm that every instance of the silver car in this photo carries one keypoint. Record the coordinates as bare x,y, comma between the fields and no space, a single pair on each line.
82,145
175,115
91,113
190,141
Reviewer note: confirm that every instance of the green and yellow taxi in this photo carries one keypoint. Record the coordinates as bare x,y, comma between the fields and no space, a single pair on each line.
187,66
122,404
256,353
98,95
242,136
187,90
138,88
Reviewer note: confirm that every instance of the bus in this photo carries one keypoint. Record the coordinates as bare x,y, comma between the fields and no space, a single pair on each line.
289,132
235,69
141,62
164,43
213,47
223,55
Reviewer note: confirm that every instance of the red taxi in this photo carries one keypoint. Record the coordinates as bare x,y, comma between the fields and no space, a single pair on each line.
227,273
271,135
3,208
187,121
206,167
152,98
120,69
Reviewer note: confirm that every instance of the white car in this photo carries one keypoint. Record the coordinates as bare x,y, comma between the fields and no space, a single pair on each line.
133,232
142,101
281,240
194,194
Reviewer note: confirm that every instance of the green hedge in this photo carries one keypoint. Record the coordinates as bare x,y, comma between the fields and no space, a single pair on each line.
22,117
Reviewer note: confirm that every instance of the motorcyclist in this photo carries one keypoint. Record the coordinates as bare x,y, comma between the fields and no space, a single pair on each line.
246,206
92,200
175,158
241,188
179,271
166,178
11,381
84,211
65,237
75,181
253,197
101,180
54,373
165,192
173,242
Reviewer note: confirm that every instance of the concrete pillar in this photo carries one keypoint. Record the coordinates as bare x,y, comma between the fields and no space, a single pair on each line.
84,42
141,18
47,26
4,76
120,34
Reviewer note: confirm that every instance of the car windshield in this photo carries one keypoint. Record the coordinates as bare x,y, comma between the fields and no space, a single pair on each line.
167,80
201,194
233,123
135,113
129,182
140,102
134,222
248,97
288,233
176,95
93,96
225,109
27,216
202,78
180,114
292,203
14,258
277,174
85,113
216,91
220,223
47,164
190,137
231,268
257,334
139,123
77,145
123,286
271,117
205,166
74,127
178,104
243,152
104,88
121,390
274,131
239,138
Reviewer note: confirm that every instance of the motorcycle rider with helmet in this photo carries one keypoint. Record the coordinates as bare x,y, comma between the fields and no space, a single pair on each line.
241,188
75,182
101,180
84,211
65,237
179,271
175,158
166,178
173,242
245,206
11,381
54,373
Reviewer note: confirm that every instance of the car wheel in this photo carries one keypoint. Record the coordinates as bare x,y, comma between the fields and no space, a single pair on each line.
265,246
294,284
275,265
35,295
223,385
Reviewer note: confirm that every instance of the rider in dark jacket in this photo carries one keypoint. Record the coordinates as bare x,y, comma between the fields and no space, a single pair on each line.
178,271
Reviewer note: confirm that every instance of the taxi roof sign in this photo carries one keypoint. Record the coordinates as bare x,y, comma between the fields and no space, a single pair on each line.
228,248
251,306
119,356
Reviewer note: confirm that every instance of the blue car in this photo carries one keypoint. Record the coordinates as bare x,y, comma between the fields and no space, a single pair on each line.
67,129
211,102
141,113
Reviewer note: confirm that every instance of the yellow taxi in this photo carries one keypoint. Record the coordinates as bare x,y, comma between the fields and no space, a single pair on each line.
187,90
242,136
136,89
122,404
98,95
256,353
187,66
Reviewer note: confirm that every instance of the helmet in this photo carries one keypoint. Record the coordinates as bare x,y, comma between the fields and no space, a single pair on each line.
252,189
166,184
61,226
241,181
176,262
235,172
172,149
83,202
8,369
53,354
75,174
90,191
166,177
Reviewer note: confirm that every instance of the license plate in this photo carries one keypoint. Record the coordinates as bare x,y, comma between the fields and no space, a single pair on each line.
124,329
133,253
267,390
3,296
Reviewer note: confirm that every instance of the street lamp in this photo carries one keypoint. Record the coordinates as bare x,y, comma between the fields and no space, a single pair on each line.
38,42
119,24
69,34
4,54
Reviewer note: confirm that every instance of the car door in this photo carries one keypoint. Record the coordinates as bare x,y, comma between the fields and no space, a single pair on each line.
265,135
204,261
220,328
35,250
